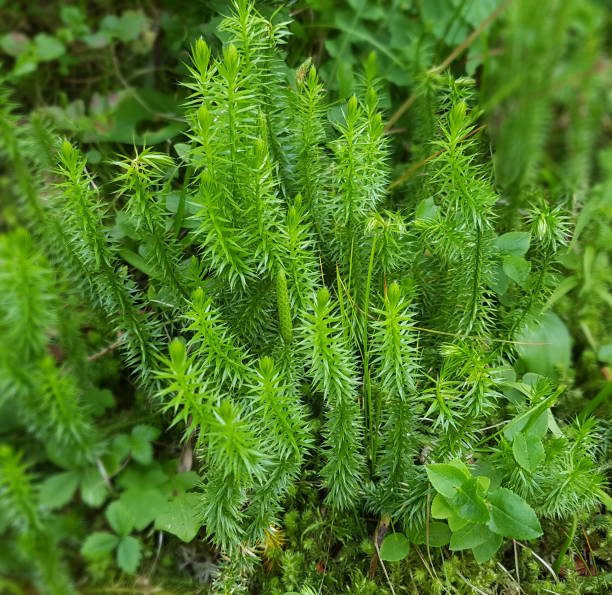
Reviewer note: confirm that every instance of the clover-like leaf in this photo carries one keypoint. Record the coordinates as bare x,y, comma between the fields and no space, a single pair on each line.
98,545
128,554
57,490
48,47
93,488
143,506
140,442
180,517
119,518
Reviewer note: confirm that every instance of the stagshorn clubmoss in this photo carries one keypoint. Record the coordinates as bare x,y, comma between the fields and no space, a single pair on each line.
288,318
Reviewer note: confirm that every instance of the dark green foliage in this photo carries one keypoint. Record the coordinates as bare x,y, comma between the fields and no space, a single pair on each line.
312,338
20,507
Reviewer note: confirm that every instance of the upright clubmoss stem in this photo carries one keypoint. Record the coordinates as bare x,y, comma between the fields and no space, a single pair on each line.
366,363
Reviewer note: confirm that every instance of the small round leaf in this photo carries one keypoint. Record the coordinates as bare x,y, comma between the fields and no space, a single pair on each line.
394,548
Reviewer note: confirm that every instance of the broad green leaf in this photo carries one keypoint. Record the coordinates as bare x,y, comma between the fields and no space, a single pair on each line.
545,347
477,12
470,536
143,506
183,482
503,374
122,445
455,522
552,424
48,47
59,489
499,281
459,464
145,433
395,547
132,124
487,549
112,463
128,554
517,268
515,243
72,16
439,534
127,27
134,478
359,33
445,478
439,15
426,209
517,424
403,31
136,260
605,353
180,517
124,227
182,149
97,40
484,482
511,516
367,10
98,545
119,518
25,64
440,509
93,489
537,425
14,43
140,441
528,451
93,158
484,468
468,502
99,400
534,421
191,208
